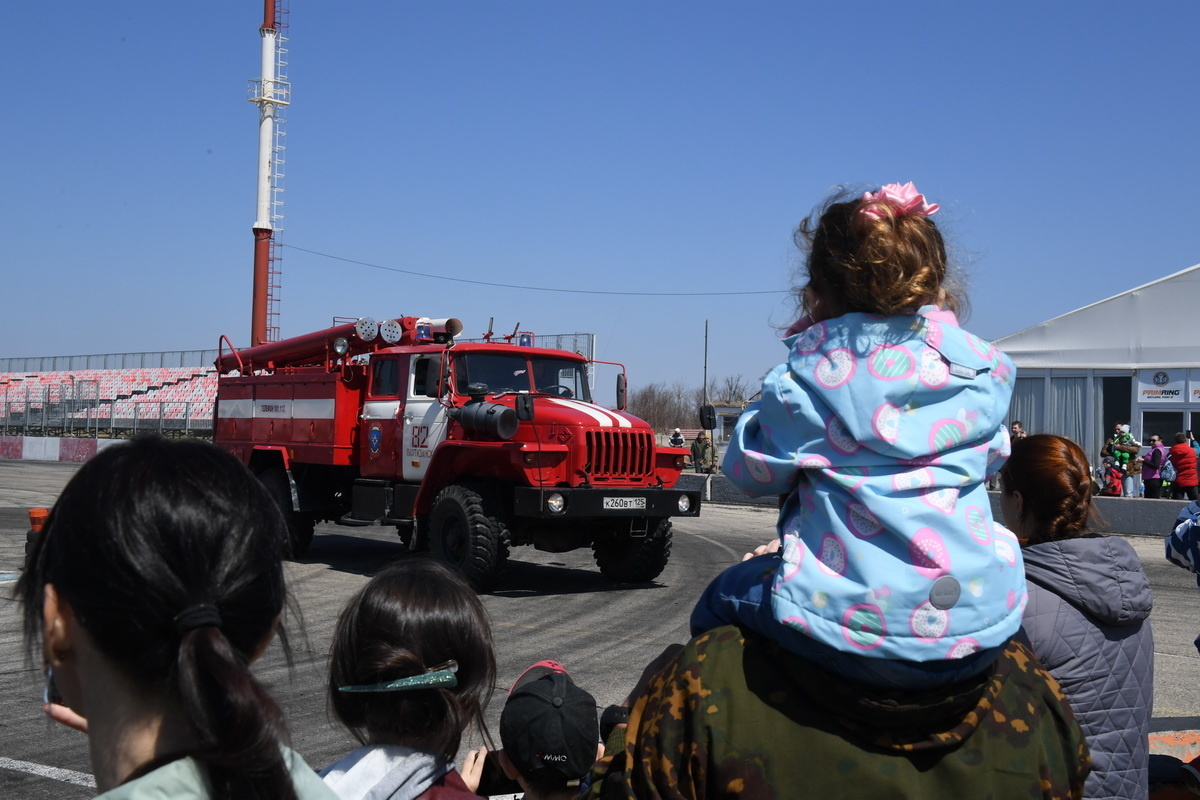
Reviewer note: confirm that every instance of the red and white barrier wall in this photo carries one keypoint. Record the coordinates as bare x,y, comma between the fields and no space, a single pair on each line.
48,448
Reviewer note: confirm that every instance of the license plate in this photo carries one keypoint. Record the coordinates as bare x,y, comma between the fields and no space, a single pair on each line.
624,503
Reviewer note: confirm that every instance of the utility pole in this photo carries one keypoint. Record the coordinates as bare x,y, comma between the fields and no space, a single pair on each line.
712,439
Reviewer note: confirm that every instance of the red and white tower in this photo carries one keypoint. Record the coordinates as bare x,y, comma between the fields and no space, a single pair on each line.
272,93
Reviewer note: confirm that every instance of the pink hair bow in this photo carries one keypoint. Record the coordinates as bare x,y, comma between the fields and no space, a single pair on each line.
905,201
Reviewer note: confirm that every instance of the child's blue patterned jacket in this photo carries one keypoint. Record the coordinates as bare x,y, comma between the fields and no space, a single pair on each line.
881,431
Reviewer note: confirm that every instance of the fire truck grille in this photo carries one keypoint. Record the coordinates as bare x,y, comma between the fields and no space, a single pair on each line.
616,455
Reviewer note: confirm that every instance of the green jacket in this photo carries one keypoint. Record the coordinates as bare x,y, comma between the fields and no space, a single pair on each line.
734,715
183,779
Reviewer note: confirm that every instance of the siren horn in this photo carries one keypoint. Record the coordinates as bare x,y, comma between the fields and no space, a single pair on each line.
437,330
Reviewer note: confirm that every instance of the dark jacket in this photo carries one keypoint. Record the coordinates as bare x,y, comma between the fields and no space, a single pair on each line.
1087,617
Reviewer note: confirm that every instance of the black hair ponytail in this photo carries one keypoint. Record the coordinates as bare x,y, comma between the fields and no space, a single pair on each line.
175,552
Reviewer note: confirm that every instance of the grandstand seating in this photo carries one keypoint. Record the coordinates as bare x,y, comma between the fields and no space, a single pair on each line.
113,401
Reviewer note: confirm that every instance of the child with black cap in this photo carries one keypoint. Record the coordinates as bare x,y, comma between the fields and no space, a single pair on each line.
550,735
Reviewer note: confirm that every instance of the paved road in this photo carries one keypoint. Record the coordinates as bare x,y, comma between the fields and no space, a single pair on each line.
549,606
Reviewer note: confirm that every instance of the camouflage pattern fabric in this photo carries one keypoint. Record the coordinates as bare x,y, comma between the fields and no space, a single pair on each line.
736,716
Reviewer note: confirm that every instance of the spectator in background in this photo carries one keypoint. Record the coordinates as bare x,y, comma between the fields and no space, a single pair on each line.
157,581
1122,448
410,669
1183,457
702,453
677,439
1107,450
1131,484
1088,611
1111,477
1152,466
1016,431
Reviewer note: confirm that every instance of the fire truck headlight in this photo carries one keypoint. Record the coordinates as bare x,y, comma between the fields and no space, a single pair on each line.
555,503
341,345
685,503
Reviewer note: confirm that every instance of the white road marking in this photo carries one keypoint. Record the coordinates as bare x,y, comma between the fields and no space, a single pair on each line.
53,773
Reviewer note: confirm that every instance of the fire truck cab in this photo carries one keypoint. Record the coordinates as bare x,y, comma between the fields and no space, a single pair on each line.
467,448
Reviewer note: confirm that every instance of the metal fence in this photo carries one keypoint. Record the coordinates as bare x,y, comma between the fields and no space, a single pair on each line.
166,358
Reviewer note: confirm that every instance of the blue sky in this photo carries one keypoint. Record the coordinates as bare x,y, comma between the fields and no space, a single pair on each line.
651,147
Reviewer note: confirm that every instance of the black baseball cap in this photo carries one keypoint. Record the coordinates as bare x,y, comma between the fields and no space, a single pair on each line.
548,726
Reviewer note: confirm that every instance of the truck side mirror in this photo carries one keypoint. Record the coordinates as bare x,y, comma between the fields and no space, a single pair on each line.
708,418
620,391
524,407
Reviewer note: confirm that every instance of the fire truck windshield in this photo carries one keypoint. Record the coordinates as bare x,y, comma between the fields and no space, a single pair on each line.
513,372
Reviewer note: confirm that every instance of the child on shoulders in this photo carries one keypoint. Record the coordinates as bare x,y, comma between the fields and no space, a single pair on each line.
878,432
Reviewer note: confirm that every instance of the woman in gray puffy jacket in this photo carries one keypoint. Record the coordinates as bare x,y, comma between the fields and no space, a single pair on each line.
1088,610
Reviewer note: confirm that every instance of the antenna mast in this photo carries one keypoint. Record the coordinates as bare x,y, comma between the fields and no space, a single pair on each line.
272,93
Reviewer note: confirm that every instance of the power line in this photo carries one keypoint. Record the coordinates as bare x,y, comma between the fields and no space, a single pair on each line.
519,286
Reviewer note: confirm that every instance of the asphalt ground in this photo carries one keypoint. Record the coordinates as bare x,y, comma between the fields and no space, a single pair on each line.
549,605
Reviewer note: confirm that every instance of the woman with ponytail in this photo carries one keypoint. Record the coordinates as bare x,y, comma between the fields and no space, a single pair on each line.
1088,611
157,581
411,668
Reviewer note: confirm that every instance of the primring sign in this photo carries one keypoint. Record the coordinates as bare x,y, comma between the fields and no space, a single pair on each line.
1162,386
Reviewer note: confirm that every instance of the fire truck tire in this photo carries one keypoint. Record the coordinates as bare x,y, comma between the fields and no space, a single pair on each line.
634,559
299,526
418,540
463,536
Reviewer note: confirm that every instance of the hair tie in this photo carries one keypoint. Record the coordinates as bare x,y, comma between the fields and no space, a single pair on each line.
197,616
904,200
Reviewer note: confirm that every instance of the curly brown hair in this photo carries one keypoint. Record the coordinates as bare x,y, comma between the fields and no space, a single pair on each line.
886,265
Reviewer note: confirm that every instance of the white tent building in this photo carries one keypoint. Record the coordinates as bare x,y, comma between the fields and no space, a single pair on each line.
1131,358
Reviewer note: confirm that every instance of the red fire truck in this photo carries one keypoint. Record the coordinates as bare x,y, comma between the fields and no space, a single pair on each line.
468,448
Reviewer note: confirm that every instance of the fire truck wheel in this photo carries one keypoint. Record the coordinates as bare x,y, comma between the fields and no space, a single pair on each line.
463,536
634,559
418,540
300,526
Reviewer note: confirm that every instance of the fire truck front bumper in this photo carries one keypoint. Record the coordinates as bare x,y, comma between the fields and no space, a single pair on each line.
592,503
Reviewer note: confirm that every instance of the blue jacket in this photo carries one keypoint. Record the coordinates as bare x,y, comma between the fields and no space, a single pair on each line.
881,431
1183,544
